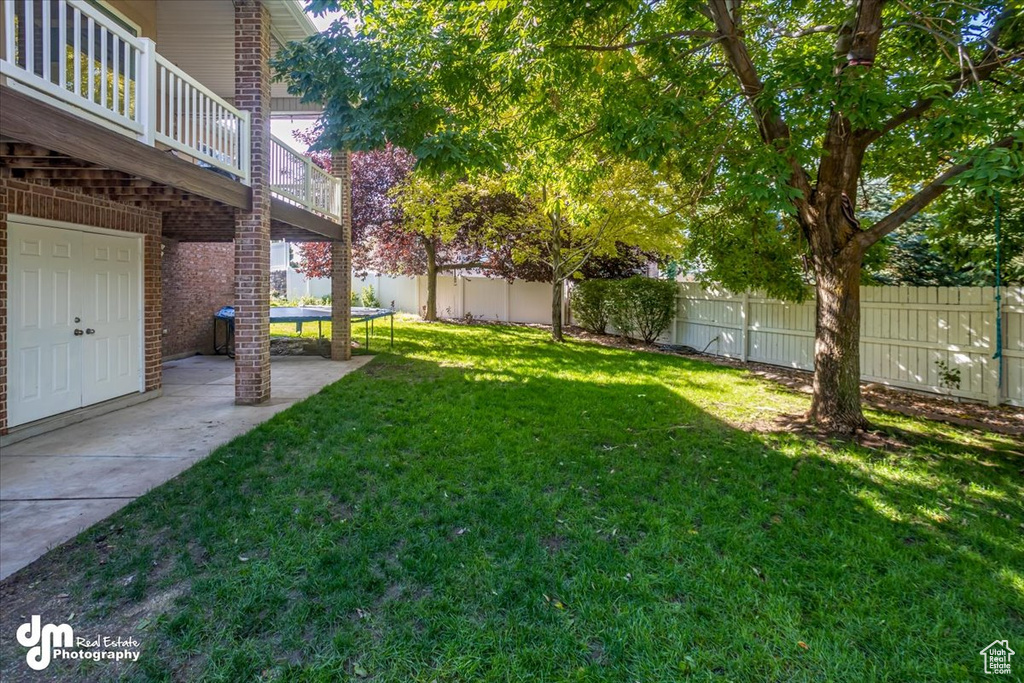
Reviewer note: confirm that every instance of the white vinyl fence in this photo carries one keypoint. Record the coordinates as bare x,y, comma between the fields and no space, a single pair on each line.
905,333
457,297
480,297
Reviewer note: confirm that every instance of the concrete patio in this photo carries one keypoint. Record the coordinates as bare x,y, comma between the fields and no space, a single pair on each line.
55,485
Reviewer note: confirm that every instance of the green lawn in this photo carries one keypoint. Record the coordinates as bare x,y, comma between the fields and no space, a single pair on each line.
483,505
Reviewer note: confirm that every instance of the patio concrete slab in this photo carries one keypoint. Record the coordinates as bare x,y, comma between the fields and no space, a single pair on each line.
54,485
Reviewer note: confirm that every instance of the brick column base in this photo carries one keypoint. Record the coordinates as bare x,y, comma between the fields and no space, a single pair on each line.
252,228
252,307
341,296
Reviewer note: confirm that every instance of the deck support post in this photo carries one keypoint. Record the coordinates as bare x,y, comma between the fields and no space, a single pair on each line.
341,264
252,227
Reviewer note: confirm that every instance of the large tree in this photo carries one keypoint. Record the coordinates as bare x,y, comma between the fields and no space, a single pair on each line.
379,241
461,225
618,204
773,113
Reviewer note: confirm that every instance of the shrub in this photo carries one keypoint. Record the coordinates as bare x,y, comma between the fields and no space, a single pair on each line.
370,299
310,300
590,306
642,307
356,299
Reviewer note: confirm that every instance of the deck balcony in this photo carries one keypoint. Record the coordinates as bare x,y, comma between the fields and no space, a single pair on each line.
81,60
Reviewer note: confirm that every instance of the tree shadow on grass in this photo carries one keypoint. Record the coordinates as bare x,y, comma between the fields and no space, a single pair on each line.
483,518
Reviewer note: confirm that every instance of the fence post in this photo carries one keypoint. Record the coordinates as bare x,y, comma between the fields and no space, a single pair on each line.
675,318
508,300
145,91
995,392
462,294
744,336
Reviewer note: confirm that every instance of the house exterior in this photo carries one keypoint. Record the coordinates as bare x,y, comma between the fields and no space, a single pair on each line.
140,189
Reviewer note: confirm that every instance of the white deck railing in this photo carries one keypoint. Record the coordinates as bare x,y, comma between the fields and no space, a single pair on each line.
189,117
71,52
295,178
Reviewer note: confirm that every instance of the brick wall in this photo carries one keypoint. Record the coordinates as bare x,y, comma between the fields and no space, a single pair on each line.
26,198
341,263
198,279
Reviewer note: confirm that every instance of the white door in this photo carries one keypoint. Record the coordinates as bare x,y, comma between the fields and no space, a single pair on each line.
45,357
56,278
110,317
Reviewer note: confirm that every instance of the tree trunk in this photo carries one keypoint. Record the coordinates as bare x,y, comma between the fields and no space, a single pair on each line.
556,281
556,310
430,312
836,403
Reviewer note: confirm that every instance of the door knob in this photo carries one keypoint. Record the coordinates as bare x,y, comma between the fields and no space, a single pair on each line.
78,333
89,330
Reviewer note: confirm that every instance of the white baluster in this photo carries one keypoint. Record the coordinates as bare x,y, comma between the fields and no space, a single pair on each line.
62,42
129,85
30,37
10,40
245,147
78,52
179,122
115,80
103,68
207,122
166,111
91,57
44,40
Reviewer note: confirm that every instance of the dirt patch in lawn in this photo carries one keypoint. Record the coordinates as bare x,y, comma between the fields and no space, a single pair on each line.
61,590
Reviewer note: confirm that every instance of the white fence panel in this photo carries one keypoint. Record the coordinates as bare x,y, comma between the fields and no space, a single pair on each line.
1013,345
400,290
485,299
780,333
530,302
906,332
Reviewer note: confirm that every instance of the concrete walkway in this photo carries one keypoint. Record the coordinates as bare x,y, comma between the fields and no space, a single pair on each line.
55,485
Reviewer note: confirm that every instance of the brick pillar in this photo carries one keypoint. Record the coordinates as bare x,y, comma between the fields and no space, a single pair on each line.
152,287
252,228
341,264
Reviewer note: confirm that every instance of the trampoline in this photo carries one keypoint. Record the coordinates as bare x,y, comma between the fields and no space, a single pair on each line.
299,315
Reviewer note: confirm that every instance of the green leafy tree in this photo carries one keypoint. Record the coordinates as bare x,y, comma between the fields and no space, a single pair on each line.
951,244
460,225
770,114
618,204
964,233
